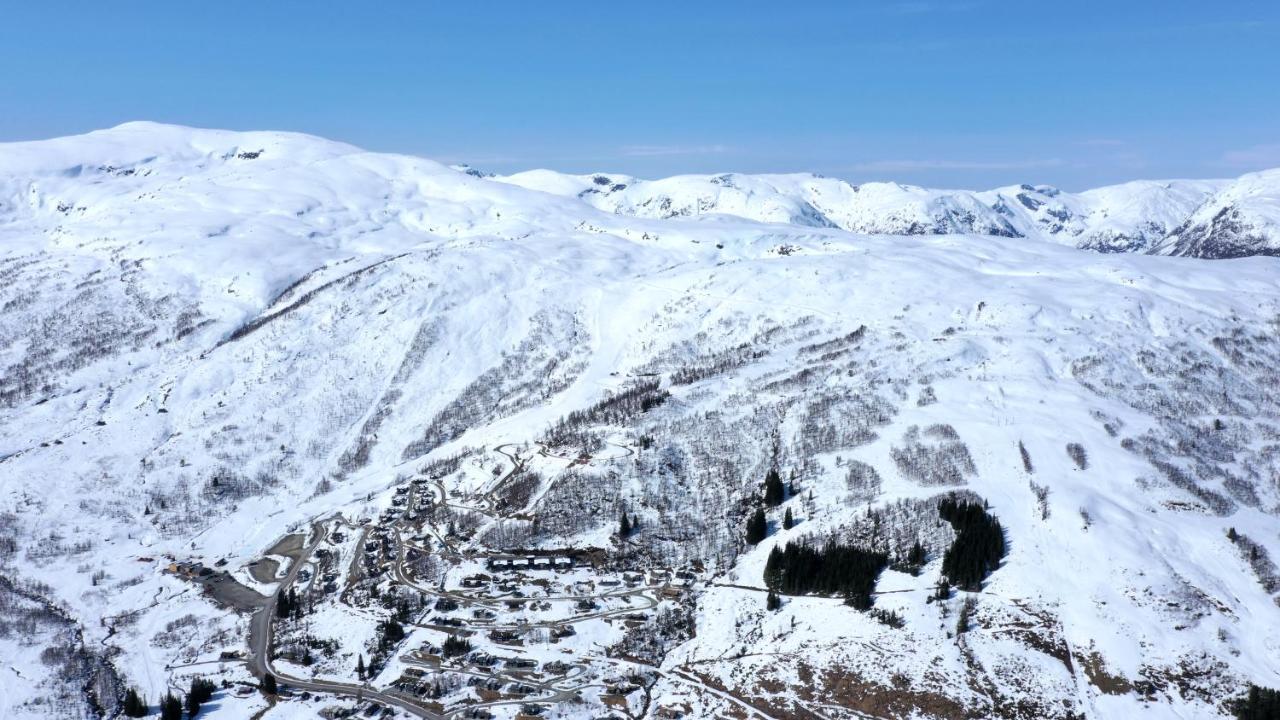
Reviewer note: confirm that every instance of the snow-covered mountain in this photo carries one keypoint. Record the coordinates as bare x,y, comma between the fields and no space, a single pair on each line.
1209,218
1242,219
368,379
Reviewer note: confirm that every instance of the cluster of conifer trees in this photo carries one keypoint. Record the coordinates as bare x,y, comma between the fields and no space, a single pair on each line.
170,706
979,544
833,569
1260,704
775,493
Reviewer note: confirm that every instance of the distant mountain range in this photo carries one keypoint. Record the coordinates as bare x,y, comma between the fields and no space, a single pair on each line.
1195,218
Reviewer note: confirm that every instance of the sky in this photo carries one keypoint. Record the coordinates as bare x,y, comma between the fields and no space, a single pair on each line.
967,94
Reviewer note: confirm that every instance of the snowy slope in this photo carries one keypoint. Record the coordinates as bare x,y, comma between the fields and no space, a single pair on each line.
210,339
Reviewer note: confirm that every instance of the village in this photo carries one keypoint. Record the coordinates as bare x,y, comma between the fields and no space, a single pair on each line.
408,611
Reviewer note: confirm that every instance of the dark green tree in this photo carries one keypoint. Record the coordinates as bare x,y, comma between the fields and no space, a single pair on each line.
360,667
942,591
624,526
916,557
200,693
979,544
286,605
170,707
455,646
832,569
772,601
787,521
1259,704
757,527
134,705
774,493
269,684
392,633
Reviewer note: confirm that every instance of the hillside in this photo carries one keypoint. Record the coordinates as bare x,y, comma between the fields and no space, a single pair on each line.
358,384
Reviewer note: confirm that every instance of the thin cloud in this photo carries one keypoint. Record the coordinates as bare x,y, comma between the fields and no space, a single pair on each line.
1101,142
908,165
667,150
1256,156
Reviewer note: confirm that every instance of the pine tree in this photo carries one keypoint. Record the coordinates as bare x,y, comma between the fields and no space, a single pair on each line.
942,591
202,689
772,601
200,693
624,527
774,493
757,527
1232,535
134,705
787,521
284,608
170,708
269,684
1260,704
360,667
916,556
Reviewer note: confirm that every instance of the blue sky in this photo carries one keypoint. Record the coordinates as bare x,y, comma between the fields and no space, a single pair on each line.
956,94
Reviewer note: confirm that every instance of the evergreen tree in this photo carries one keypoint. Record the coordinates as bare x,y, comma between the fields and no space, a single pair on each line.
170,708
772,601
269,684
916,557
979,545
757,527
455,646
360,667
134,705
942,591
284,606
624,527
1232,535
833,569
392,633
200,693
787,521
202,689
1260,704
774,493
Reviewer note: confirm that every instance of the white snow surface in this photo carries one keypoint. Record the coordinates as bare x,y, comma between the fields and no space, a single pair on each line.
180,305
